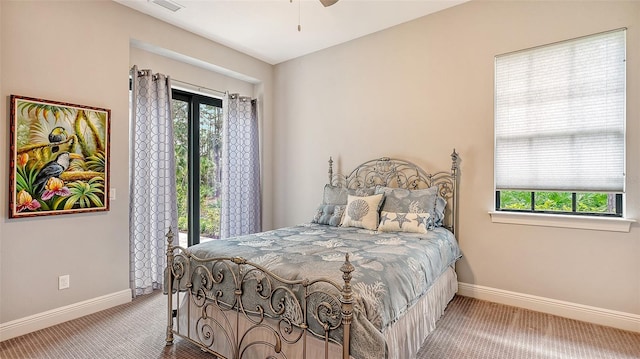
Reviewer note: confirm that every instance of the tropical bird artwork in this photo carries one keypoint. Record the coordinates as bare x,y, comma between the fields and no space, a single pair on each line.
58,134
60,162
53,169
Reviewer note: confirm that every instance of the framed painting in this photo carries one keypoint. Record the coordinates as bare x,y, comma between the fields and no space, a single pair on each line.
59,160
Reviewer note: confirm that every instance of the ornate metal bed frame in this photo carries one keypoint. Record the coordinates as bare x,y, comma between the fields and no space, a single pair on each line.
283,310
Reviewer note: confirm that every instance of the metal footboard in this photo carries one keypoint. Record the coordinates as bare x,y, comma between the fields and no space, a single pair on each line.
234,308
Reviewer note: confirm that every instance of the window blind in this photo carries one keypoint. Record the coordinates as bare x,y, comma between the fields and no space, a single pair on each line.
560,116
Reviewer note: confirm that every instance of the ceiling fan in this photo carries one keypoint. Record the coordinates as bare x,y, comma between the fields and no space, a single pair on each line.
328,2
325,3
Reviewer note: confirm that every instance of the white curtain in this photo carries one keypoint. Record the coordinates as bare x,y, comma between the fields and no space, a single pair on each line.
241,207
152,206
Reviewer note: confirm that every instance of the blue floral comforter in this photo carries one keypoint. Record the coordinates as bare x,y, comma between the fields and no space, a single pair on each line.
392,270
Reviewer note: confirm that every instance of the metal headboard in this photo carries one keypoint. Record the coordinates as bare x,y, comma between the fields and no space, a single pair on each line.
397,173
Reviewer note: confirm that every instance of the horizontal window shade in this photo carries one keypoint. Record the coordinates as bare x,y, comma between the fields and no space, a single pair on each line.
560,116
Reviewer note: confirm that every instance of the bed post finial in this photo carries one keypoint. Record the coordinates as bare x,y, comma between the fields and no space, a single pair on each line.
169,236
347,305
454,163
330,170
346,269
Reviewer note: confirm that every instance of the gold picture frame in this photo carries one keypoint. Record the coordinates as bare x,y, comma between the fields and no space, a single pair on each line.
59,161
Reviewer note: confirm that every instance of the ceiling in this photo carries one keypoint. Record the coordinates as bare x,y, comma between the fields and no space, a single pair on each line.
268,29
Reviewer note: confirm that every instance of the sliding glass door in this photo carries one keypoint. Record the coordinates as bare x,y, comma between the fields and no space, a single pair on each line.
197,122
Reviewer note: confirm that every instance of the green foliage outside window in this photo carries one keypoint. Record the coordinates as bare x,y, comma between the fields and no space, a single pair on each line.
210,149
594,202
590,202
515,200
180,135
553,201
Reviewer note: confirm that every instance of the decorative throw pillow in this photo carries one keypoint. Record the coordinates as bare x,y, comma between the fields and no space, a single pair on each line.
362,212
330,214
441,204
338,195
403,222
400,200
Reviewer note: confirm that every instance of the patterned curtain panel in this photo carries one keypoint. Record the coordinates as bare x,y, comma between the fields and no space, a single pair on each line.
152,206
241,208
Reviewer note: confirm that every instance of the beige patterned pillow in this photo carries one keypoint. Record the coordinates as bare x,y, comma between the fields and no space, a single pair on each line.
403,222
362,212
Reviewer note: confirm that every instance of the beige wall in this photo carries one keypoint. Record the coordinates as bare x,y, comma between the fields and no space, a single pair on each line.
420,89
79,52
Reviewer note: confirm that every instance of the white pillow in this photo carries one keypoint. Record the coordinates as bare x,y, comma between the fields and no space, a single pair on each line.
403,222
362,212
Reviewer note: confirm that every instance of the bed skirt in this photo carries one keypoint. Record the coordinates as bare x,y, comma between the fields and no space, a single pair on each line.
421,318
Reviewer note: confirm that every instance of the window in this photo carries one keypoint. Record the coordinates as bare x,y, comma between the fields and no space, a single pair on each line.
592,203
560,127
197,123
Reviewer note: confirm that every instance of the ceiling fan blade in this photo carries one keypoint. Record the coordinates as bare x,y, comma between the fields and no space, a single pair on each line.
328,2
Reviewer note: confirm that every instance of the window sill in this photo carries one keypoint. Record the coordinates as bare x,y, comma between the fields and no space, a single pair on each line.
610,224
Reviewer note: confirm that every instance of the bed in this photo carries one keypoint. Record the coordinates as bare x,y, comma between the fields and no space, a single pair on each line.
368,277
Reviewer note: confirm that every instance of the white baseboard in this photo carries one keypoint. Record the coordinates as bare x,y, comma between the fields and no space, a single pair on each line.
585,313
46,319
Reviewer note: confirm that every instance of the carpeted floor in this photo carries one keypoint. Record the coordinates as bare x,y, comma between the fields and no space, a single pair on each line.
470,329
477,329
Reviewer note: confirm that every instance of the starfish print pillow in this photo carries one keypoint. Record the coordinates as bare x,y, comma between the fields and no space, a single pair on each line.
403,222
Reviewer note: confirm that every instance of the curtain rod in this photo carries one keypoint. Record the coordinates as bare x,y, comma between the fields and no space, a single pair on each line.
198,87
143,72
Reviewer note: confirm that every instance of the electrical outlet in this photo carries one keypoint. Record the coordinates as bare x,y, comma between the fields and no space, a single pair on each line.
63,282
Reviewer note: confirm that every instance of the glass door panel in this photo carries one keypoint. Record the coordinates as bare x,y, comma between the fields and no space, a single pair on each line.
181,148
210,147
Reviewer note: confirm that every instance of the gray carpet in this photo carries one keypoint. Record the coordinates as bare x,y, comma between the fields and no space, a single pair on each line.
470,329
477,329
